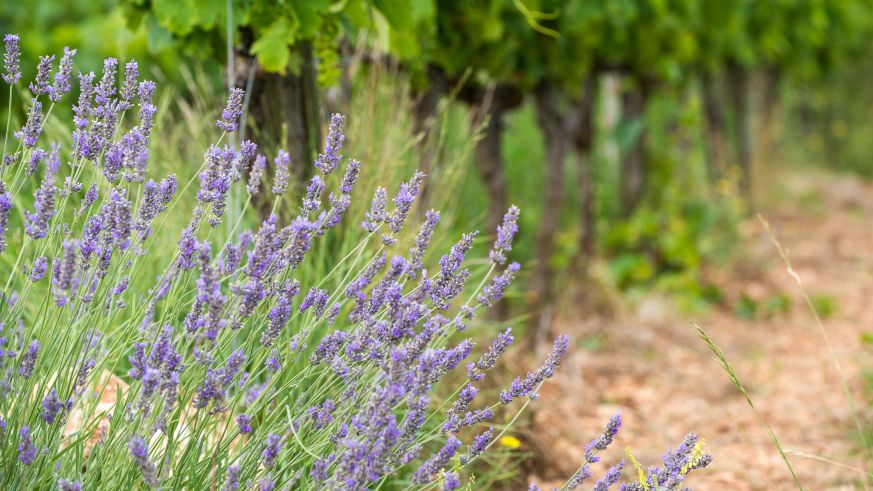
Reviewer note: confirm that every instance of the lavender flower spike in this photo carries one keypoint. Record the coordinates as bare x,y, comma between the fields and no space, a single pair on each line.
377,213
612,476
33,128
230,116
5,207
130,88
403,201
232,483
432,466
41,84
139,449
476,371
11,59
29,360
256,175
604,440
422,241
505,233
62,78
330,157
37,271
271,449
51,407
528,386
599,444
280,184
27,452
65,485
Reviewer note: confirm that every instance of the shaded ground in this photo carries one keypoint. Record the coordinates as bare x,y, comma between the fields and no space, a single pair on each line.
650,364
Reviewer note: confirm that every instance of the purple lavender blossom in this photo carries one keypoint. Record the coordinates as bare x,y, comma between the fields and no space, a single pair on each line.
33,127
188,246
245,156
476,371
37,271
610,478
430,468
479,445
599,444
312,198
82,376
493,292
52,407
216,381
150,382
29,360
65,485
37,223
5,208
156,198
328,347
319,468
256,175
130,87
82,112
316,298
377,213
233,481
328,160
62,77
450,281
356,287
27,451
271,449
452,481
274,363
322,414
350,177
36,156
678,463
230,116
243,421
139,450
280,179
64,270
603,441
11,158
465,397
89,199
333,313
403,202
456,423
40,85
422,241
215,181
11,55
505,233
106,88
528,386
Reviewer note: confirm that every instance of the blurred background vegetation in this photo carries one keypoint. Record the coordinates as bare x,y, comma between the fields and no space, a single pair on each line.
634,134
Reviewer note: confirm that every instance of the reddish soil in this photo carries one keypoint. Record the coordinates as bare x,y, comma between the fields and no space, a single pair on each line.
649,363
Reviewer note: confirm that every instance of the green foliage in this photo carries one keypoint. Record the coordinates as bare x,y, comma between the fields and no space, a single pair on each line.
277,32
749,309
825,305
746,308
96,29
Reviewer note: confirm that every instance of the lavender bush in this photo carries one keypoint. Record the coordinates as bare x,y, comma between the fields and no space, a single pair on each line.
234,368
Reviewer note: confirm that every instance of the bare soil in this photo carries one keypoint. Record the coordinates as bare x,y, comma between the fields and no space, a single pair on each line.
646,360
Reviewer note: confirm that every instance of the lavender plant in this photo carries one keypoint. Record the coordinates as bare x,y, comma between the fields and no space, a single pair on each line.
233,368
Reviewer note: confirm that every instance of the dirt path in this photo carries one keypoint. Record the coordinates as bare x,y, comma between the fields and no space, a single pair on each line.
652,367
